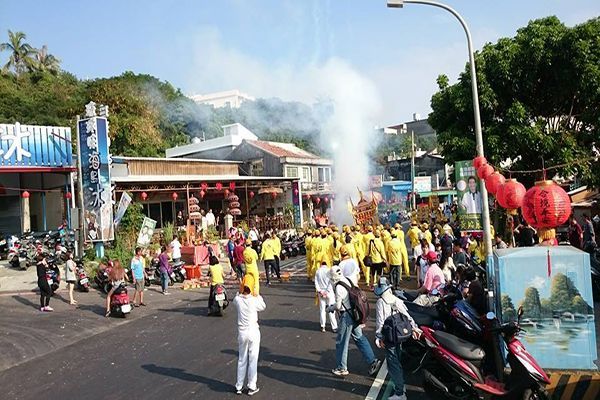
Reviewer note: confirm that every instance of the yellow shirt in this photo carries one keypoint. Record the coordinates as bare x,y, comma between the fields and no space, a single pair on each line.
377,251
250,260
269,250
277,246
358,243
413,236
216,275
307,242
335,250
386,236
321,251
427,235
394,252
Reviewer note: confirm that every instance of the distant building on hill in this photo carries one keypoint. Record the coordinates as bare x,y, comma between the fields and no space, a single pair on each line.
229,98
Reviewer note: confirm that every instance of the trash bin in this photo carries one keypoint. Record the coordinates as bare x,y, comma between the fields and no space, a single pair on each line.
192,272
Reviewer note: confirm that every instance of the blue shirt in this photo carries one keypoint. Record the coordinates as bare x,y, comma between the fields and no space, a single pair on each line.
137,268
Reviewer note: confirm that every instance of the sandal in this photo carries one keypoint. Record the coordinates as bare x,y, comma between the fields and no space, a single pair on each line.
143,304
107,314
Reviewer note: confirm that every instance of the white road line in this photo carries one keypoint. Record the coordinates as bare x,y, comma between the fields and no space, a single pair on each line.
378,382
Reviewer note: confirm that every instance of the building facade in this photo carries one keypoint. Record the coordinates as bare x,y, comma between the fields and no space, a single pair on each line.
229,98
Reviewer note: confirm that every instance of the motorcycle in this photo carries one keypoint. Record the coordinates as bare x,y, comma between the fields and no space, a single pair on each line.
119,302
218,300
83,282
52,274
19,258
178,274
102,280
457,371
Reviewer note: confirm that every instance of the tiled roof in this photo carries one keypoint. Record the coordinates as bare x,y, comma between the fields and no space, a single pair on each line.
281,149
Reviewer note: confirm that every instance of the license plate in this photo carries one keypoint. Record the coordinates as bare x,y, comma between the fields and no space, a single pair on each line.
84,281
125,308
220,297
50,281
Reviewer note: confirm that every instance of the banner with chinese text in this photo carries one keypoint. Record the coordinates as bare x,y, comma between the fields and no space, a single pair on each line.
95,180
468,196
35,146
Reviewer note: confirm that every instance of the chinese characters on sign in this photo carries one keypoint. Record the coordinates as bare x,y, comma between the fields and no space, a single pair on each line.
35,146
469,197
95,163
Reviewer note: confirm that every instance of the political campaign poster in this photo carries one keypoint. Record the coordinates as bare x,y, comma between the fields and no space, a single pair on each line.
469,197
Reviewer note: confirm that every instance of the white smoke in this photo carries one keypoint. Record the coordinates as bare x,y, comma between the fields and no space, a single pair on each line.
348,133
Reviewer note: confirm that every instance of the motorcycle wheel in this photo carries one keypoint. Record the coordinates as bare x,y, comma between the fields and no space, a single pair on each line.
171,282
538,393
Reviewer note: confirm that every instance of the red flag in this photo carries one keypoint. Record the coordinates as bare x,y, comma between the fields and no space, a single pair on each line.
549,264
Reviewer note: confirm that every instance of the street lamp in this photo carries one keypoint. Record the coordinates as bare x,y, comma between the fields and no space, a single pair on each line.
478,135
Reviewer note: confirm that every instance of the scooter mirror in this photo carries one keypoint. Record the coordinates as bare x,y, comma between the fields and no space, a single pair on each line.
490,316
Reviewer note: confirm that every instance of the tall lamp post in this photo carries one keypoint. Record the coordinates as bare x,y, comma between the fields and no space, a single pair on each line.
478,135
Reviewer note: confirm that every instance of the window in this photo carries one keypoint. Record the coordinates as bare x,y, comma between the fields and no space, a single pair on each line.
324,174
291,172
256,168
306,175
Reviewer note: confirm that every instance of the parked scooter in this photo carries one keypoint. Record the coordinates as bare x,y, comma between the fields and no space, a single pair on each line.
217,301
52,274
457,372
119,302
101,279
178,274
83,282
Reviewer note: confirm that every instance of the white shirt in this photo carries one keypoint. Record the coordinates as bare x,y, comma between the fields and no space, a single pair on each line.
204,222
176,246
210,219
350,269
472,202
384,310
253,235
322,280
342,298
248,307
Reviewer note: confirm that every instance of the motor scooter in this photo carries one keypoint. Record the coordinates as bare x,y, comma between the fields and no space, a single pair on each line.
178,272
458,373
83,282
119,302
217,300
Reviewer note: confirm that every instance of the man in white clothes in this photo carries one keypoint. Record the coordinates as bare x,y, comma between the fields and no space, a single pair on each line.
349,266
175,249
210,218
248,307
326,296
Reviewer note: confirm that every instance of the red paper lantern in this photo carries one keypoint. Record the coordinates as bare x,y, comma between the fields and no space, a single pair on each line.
232,186
144,196
296,192
219,185
202,194
174,196
251,194
25,194
510,195
68,195
485,171
494,181
479,161
546,205
274,195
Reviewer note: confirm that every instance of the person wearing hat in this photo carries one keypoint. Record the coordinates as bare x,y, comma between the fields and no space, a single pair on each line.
347,328
248,307
387,304
413,234
425,232
376,250
335,248
268,254
349,266
326,296
367,238
403,250
307,245
394,256
251,263
434,277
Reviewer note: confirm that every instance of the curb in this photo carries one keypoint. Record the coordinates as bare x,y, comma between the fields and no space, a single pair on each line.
566,385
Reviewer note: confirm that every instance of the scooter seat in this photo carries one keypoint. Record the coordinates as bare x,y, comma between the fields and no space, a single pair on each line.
460,347
421,319
417,308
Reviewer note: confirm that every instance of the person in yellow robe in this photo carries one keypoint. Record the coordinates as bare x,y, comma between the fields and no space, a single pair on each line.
250,261
404,250
426,233
366,240
315,246
394,256
413,234
335,248
376,250
307,243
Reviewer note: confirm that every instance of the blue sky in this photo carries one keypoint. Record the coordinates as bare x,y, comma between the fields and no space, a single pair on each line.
276,48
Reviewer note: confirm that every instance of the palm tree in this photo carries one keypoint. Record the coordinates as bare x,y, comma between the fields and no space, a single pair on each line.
21,52
45,61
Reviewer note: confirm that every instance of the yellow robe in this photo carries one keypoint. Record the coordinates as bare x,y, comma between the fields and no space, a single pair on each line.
404,250
250,260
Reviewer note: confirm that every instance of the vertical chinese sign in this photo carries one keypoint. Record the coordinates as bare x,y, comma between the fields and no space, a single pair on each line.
94,158
296,202
469,197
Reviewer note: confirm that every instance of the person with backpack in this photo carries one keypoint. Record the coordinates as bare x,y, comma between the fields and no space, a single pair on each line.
353,307
393,325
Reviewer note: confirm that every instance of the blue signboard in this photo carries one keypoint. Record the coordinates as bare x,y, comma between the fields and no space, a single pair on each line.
296,198
95,180
35,146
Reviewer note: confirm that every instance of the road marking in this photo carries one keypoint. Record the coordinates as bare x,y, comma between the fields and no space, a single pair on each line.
378,382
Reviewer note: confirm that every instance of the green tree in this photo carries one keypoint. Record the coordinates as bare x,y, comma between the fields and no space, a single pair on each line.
45,61
562,293
21,53
538,94
508,308
546,308
532,308
579,305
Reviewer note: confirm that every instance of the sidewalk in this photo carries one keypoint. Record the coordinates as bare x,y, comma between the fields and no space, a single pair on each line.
15,280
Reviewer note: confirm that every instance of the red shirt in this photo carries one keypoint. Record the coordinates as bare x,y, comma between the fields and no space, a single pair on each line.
238,254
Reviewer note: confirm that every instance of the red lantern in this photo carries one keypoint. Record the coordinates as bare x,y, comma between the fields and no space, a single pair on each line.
174,196
326,199
226,192
511,194
318,200
144,196
274,195
494,181
202,194
479,161
219,185
296,192
68,195
25,194
485,171
546,205
232,186
204,186
251,194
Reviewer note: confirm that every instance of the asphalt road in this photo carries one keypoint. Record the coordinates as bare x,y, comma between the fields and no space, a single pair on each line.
172,349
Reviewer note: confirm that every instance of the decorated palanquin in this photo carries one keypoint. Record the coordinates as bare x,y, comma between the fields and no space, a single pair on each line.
365,211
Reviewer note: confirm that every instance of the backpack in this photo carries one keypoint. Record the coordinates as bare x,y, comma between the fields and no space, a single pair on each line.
359,303
396,328
368,260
